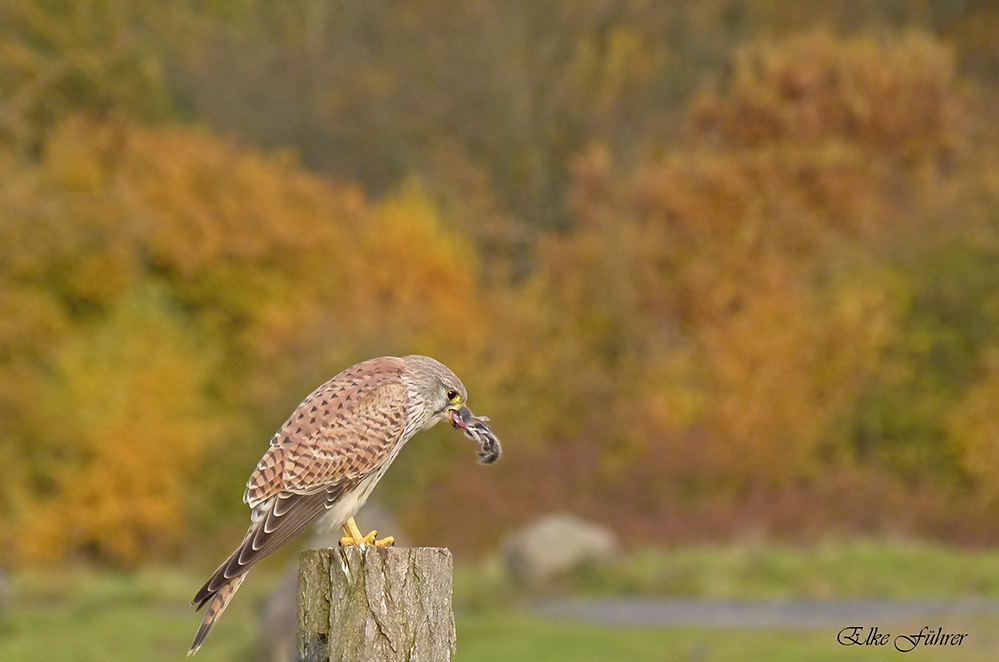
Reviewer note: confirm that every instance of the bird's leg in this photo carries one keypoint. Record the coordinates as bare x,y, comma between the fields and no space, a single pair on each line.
352,536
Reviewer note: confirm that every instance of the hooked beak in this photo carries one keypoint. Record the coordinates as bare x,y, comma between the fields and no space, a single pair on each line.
456,420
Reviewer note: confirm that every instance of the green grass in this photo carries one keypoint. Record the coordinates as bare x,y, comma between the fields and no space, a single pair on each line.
834,570
511,637
91,616
86,616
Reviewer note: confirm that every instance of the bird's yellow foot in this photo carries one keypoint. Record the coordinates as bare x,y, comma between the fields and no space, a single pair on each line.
353,536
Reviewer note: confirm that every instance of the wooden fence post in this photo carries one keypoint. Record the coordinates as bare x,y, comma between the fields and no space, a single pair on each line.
377,604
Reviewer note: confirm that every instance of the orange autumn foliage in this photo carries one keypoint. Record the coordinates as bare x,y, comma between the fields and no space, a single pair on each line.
709,270
717,319
276,276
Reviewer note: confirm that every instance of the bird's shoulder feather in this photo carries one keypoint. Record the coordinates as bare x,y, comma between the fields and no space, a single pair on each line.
344,429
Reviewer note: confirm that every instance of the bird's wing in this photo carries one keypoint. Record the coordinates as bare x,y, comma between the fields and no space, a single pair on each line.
346,428
342,432
287,516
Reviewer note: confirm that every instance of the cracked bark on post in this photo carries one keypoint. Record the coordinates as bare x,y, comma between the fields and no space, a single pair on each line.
375,604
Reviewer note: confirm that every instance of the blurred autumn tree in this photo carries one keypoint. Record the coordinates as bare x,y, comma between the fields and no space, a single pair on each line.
711,267
59,56
741,312
198,291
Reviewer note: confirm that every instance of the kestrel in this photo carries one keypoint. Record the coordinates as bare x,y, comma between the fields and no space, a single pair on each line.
327,458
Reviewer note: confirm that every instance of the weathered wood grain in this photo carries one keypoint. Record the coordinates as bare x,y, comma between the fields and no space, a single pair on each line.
375,604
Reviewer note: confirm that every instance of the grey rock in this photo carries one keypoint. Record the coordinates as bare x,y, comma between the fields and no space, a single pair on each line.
557,544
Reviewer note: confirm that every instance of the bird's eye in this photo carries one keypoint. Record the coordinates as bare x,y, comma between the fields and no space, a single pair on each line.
453,395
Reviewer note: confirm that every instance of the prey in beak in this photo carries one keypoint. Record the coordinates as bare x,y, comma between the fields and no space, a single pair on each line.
477,429
457,422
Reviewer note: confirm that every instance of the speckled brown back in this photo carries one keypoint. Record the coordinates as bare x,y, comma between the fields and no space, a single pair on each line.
343,430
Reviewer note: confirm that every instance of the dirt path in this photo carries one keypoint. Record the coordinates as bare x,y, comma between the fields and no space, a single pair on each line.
802,614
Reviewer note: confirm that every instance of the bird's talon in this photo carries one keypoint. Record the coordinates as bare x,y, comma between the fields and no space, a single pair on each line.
354,538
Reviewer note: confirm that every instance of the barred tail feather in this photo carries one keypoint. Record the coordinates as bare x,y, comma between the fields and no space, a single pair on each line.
273,525
218,604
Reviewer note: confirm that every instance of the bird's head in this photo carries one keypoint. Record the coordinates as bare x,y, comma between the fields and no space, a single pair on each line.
441,392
